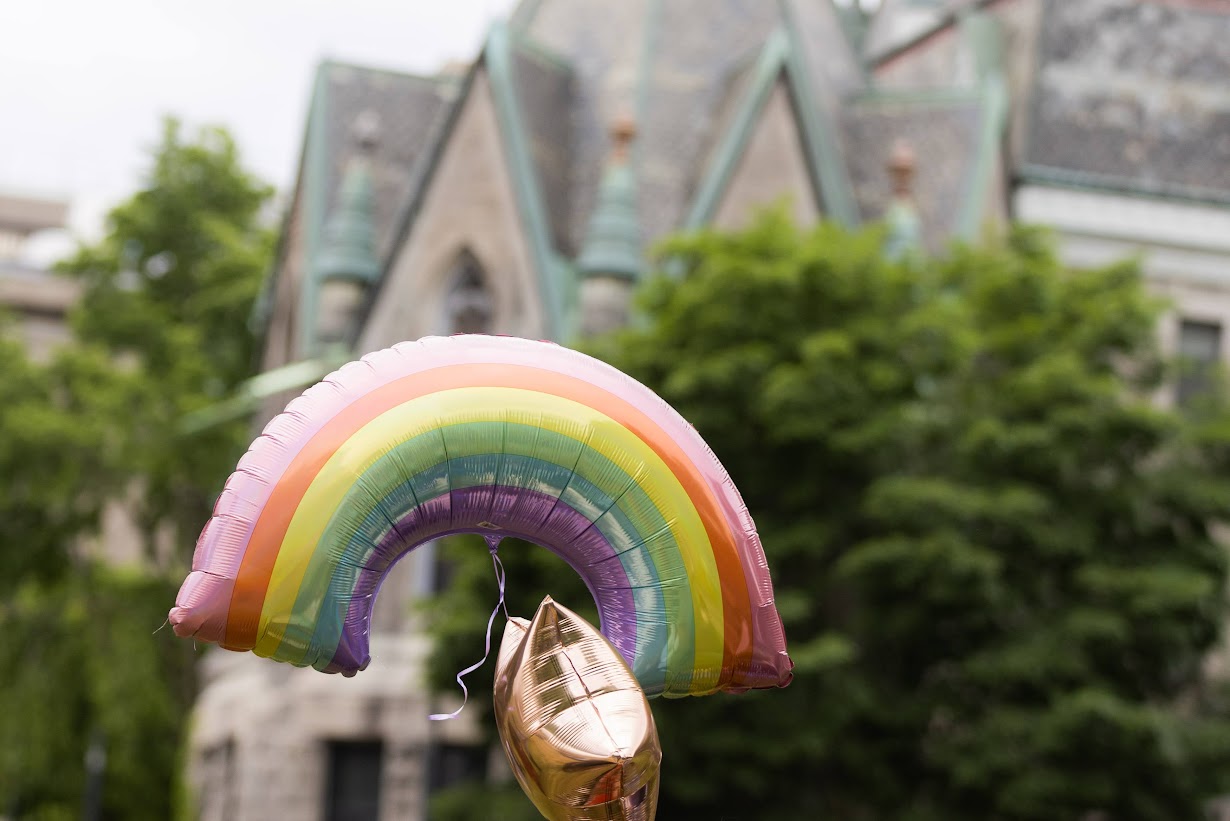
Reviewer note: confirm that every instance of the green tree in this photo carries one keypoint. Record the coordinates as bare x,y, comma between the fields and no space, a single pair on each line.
58,465
161,330
81,666
994,554
167,292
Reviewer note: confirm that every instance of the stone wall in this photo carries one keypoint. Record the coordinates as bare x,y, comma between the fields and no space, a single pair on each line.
469,206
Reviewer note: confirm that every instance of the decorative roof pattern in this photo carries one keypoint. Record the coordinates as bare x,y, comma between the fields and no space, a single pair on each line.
673,64
1134,96
1128,95
605,60
408,110
835,68
682,88
944,134
348,249
613,240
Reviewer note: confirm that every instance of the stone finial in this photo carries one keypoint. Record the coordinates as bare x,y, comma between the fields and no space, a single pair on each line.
610,260
612,245
365,131
348,247
904,225
901,167
623,132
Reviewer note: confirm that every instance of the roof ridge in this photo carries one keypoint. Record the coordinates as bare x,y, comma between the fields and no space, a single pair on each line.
822,142
724,153
328,63
1117,184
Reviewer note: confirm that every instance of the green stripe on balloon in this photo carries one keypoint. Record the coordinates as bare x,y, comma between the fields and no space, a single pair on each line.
569,471
635,558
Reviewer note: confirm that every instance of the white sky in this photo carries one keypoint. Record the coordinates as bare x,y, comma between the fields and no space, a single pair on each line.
84,83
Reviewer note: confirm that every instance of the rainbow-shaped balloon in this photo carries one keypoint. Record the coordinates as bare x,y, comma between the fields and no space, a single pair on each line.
502,437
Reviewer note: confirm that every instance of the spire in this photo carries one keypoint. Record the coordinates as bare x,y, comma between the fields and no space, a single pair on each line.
901,217
348,251
347,266
612,246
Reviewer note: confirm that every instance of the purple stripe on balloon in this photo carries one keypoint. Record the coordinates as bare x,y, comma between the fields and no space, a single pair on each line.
502,511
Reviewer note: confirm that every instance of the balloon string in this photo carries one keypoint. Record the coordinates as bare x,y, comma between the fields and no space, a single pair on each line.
465,692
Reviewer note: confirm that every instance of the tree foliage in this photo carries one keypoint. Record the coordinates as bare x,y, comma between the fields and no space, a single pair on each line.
82,666
167,292
160,330
994,553
58,464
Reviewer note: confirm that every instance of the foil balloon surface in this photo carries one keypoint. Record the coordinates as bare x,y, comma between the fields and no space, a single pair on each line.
502,437
575,724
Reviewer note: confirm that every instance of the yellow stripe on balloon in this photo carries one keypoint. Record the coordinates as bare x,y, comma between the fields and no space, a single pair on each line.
558,414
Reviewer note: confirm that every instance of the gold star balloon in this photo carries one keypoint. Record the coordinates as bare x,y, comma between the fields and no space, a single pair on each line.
575,724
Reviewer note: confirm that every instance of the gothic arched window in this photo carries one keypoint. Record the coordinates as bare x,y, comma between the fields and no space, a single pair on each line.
467,303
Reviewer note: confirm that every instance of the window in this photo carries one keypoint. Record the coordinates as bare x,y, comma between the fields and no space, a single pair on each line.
354,781
467,306
453,764
1200,353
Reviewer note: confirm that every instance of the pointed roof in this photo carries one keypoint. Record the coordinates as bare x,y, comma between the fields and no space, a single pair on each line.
613,241
945,128
904,229
669,63
411,108
525,128
563,69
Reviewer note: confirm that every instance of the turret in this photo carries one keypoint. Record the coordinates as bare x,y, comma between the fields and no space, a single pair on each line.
347,266
901,216
611,262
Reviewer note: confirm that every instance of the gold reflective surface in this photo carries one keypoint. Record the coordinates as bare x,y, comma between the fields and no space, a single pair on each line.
575,724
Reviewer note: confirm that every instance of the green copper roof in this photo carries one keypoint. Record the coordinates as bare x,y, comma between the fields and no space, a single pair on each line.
349,247
904,229
830,172
986,41
613,241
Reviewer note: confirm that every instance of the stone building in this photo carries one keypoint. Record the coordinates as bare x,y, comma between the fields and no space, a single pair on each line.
37,301
519,194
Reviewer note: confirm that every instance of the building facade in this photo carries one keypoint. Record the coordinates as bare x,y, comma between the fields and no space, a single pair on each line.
518,195
34,299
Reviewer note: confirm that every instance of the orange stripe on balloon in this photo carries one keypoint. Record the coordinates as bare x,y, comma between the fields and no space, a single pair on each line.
256,568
